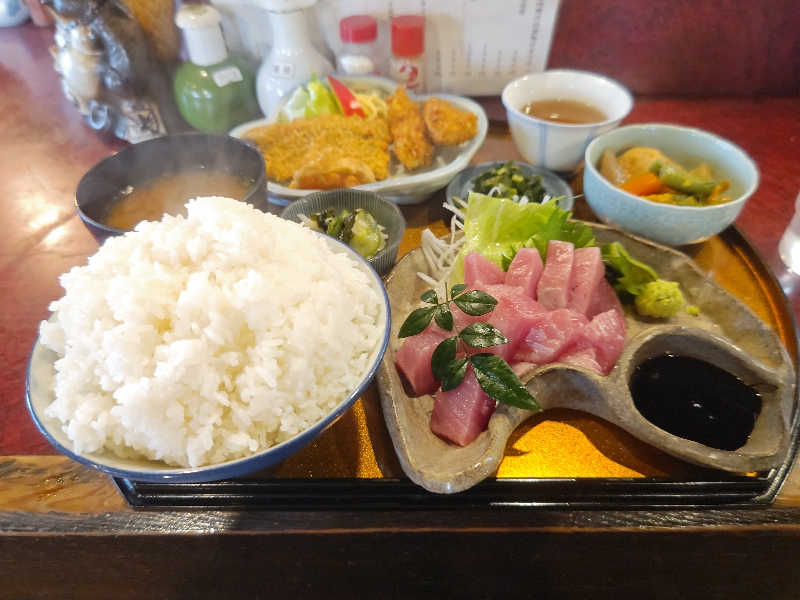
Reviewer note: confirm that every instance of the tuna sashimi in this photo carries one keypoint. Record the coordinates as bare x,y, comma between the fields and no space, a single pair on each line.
552,290
605,298
586,358
514,315
606,334
413,359
480,271
588,271
549,335
525,270
460,414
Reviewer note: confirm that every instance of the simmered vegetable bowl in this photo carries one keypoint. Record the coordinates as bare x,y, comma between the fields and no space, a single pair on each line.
648,173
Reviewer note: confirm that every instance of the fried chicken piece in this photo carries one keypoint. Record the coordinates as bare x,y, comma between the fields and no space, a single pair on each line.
332,174
287,147
410,143
448,125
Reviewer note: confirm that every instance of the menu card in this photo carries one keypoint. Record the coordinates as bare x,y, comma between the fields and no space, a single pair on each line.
472,47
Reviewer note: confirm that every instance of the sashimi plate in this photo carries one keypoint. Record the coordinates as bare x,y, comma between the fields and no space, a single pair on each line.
726,333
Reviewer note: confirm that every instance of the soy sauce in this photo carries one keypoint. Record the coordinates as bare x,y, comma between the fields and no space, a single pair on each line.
695,400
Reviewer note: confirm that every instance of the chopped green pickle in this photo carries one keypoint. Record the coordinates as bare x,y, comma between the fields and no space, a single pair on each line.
359,229
366,238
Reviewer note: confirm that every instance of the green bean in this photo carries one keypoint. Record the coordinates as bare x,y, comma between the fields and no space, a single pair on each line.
683,181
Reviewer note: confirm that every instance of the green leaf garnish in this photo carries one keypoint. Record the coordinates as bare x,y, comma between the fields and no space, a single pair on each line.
444,354
417,321
482,335
454,373
498,380
475,303
633,274
430,297
443,317
457,289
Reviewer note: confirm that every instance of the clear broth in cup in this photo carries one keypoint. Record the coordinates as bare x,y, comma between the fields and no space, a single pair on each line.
572,112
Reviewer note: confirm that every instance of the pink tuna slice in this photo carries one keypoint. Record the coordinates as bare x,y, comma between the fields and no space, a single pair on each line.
480,271
552,290
525,270
588,271
606,334
459,415
605,298
514,315
586,358
551,333
413,359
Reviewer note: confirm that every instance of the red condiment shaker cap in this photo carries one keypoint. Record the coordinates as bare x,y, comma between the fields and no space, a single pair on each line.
408,35
358,29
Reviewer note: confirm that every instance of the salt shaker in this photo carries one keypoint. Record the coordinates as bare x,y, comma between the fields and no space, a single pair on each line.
359,54
408,51
789,246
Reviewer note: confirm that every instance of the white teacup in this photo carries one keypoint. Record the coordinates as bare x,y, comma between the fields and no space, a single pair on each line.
554,145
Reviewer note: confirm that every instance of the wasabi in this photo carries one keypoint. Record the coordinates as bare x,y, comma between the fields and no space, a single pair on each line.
660,299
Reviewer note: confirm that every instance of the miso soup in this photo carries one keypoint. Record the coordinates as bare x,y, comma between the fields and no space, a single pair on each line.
169,193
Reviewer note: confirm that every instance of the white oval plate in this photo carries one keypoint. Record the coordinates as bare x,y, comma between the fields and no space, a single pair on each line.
401,188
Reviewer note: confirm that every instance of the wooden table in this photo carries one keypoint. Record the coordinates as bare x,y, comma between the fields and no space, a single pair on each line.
65,531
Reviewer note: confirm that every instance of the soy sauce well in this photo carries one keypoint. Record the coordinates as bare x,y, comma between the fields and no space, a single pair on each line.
696,400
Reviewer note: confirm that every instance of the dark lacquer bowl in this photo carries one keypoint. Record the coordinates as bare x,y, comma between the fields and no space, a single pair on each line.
146,161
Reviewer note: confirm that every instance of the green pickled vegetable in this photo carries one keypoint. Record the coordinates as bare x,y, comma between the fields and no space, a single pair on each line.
358,229
683,181
365,235
508,181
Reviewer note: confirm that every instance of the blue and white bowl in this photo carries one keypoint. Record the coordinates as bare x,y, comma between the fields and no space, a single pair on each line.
670,224
560,146
40,393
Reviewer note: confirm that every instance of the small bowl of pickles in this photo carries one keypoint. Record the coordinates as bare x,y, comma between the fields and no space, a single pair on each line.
368,223
511,179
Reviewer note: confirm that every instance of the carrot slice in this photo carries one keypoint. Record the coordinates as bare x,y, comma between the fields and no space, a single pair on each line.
643,185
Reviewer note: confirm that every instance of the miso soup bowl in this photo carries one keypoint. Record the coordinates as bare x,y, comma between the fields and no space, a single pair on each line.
560,146
146,161
670,224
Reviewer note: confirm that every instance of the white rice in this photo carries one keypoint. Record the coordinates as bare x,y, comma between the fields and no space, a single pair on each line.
199,340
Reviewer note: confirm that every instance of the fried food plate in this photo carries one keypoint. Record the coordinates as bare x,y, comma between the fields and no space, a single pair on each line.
400,187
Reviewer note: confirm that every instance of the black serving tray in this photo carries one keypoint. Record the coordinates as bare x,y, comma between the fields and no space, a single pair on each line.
705,488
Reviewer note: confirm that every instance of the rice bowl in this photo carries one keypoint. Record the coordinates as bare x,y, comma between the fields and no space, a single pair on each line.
200,341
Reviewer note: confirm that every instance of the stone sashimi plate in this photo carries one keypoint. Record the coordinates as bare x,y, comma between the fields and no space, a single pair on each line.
726,333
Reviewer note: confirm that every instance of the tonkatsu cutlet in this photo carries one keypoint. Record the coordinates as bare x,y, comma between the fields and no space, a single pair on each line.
289,146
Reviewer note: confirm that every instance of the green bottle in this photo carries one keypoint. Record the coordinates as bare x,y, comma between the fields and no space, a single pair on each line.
214,91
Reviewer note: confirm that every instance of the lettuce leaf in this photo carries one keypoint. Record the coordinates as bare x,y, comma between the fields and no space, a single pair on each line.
499,227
